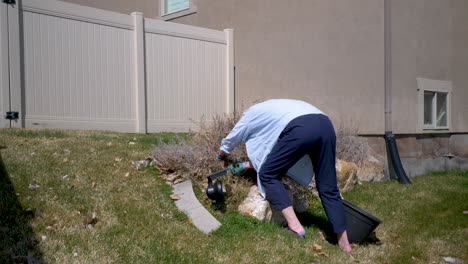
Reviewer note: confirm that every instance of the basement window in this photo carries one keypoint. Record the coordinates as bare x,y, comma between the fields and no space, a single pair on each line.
435,109
434,103
171,9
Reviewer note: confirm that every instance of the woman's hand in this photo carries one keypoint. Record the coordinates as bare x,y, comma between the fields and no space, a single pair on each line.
239,167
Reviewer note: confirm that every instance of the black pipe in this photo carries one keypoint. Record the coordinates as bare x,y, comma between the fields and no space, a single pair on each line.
394,163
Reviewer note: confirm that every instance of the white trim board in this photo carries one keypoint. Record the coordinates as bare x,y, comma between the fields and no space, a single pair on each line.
78,12
127,126
184,31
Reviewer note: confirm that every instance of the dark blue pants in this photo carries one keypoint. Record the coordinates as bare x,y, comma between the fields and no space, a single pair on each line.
311,135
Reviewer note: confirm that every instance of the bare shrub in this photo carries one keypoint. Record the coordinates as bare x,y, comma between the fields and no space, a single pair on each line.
209,135
197,155
350,146
178,157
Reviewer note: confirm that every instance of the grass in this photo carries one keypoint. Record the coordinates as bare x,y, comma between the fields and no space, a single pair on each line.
83,172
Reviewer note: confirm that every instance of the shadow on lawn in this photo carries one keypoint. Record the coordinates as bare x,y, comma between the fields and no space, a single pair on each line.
17,242
308,219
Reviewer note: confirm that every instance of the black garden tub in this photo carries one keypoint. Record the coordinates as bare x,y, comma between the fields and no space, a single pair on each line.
360,222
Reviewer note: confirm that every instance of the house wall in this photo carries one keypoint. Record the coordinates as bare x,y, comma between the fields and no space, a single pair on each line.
459,63
423,153
333,51
429,40
329,53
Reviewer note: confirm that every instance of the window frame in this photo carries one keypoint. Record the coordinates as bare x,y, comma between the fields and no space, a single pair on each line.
436,87
184,12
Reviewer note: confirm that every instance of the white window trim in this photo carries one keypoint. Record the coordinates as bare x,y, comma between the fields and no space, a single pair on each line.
190,10
437,86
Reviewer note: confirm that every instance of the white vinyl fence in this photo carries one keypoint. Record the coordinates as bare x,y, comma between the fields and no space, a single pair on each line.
87,68
4,71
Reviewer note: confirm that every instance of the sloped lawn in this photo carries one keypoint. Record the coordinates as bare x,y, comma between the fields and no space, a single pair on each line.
74,197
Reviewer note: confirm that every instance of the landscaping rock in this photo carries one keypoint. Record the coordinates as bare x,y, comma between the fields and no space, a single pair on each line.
148,162
254,205
140,163
33,186
372,170
278,218
297,194
346,173
450,260
90,219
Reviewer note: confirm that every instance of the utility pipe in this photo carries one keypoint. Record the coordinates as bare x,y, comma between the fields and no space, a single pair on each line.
396,170
388,66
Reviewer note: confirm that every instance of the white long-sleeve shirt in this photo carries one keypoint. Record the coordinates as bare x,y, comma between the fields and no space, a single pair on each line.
260,127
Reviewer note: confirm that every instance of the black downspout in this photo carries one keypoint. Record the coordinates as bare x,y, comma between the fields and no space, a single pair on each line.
394,163
395,167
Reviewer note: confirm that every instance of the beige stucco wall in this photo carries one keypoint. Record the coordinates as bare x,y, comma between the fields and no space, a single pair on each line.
329,53
429,40
459,60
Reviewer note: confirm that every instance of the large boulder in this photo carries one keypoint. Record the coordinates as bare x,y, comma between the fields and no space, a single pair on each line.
297,194
254,205
371,170
346,174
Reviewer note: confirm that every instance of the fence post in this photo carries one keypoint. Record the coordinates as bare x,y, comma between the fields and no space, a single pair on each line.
230,100
140,71
14,44
4,71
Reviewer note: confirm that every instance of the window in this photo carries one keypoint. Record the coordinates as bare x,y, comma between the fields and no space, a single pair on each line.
434,103
172,6
435,109
176,8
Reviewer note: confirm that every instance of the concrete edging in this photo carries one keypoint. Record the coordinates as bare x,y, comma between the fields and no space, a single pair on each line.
189,204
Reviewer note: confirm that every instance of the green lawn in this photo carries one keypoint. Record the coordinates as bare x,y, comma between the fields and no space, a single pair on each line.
84,172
